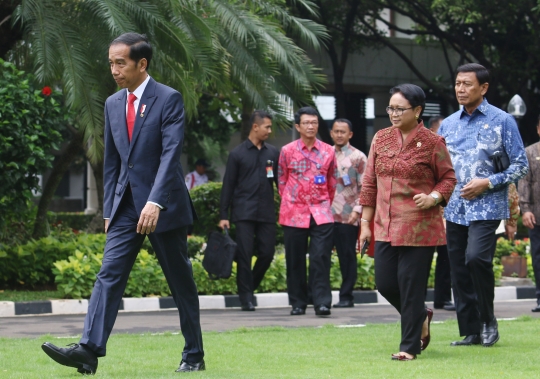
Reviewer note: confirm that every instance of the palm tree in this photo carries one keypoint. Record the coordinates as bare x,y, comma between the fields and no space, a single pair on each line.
215,47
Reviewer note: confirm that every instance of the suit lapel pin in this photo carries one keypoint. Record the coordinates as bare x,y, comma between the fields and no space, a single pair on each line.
143,108
419,144
486,126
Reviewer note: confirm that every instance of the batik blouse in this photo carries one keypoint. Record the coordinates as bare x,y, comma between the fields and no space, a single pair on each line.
395,173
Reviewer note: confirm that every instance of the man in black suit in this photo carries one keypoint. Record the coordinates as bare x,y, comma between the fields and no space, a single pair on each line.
248,190
144,184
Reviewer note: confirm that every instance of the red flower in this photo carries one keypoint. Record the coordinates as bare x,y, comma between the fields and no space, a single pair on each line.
46,91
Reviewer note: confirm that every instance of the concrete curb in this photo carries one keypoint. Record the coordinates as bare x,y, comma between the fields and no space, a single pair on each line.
269,300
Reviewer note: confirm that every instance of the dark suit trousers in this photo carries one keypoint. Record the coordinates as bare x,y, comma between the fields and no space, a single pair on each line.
264,235
443,282
401,277
121,249
534,235
471,250
345,239
320,250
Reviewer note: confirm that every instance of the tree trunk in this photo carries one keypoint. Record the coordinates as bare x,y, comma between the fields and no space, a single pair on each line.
247,109
61,165
97,224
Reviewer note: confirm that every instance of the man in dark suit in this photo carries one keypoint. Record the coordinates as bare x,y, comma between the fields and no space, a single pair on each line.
144,184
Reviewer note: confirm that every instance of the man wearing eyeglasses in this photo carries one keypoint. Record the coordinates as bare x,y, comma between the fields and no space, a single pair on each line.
307,184
475,135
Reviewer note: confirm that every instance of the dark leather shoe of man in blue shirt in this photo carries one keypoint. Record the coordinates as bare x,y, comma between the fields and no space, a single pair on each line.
75,355
537,308
248,307
490,333
189,367
322,310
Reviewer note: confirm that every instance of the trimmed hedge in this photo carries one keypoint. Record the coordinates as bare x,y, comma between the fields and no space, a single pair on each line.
76,221
72,261
75,276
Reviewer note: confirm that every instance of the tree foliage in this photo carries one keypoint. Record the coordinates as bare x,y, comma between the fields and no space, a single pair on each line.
212,47
220,49
500,35
30,124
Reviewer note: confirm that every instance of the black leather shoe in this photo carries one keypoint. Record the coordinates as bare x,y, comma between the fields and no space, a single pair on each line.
298,311
75,355
473,339
449,306
248,307
490,333
344,304
189,367
322,310
537,308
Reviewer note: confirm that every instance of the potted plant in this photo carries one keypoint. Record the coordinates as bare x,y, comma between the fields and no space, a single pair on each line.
513,256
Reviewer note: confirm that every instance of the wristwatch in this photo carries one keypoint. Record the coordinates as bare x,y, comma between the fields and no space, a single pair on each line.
490,185
435,196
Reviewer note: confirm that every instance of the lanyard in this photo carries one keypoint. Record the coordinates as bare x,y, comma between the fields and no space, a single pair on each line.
317,164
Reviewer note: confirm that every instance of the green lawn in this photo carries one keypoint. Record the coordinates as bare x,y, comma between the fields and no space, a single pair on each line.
328,352
9,295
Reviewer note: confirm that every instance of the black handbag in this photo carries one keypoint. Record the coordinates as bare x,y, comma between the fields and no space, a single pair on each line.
500,161
219,255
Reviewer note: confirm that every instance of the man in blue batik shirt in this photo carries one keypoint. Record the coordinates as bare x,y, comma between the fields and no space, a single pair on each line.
479,201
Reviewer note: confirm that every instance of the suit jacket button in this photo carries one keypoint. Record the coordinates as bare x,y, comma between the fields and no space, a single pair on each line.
130,165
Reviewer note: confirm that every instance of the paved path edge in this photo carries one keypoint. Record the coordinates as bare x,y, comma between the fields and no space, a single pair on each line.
271,300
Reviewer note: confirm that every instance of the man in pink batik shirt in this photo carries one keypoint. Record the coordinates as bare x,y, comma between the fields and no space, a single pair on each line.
307,184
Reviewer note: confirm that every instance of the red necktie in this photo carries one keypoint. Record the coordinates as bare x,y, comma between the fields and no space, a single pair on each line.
131,114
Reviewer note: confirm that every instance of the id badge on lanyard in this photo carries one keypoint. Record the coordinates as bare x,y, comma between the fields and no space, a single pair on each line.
269,169
319,179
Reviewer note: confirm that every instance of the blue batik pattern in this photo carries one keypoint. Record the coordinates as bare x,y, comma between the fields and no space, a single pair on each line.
471,140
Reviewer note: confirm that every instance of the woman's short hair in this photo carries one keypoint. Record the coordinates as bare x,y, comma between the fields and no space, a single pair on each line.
414,95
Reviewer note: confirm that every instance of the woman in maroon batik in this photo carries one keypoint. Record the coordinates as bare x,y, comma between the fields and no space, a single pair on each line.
409,173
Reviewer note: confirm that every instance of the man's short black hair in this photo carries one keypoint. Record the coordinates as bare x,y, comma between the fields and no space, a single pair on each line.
482,73
343,120
434,119
305,110
139,46
258,115
414,95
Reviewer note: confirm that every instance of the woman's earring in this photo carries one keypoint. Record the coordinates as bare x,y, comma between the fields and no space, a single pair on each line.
416,117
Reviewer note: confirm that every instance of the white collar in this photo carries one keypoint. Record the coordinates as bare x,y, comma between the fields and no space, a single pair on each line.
140,89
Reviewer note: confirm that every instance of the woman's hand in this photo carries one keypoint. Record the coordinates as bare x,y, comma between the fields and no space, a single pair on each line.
365,233
424,201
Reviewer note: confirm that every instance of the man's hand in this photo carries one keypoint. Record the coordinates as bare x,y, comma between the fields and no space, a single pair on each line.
510,231
353,217
149,218
424,201
529,221
224,224
474,188
106,224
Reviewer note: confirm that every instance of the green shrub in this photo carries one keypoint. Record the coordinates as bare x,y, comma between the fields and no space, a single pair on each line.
146,277
30,123
73,220
206,202
196,245
75,276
